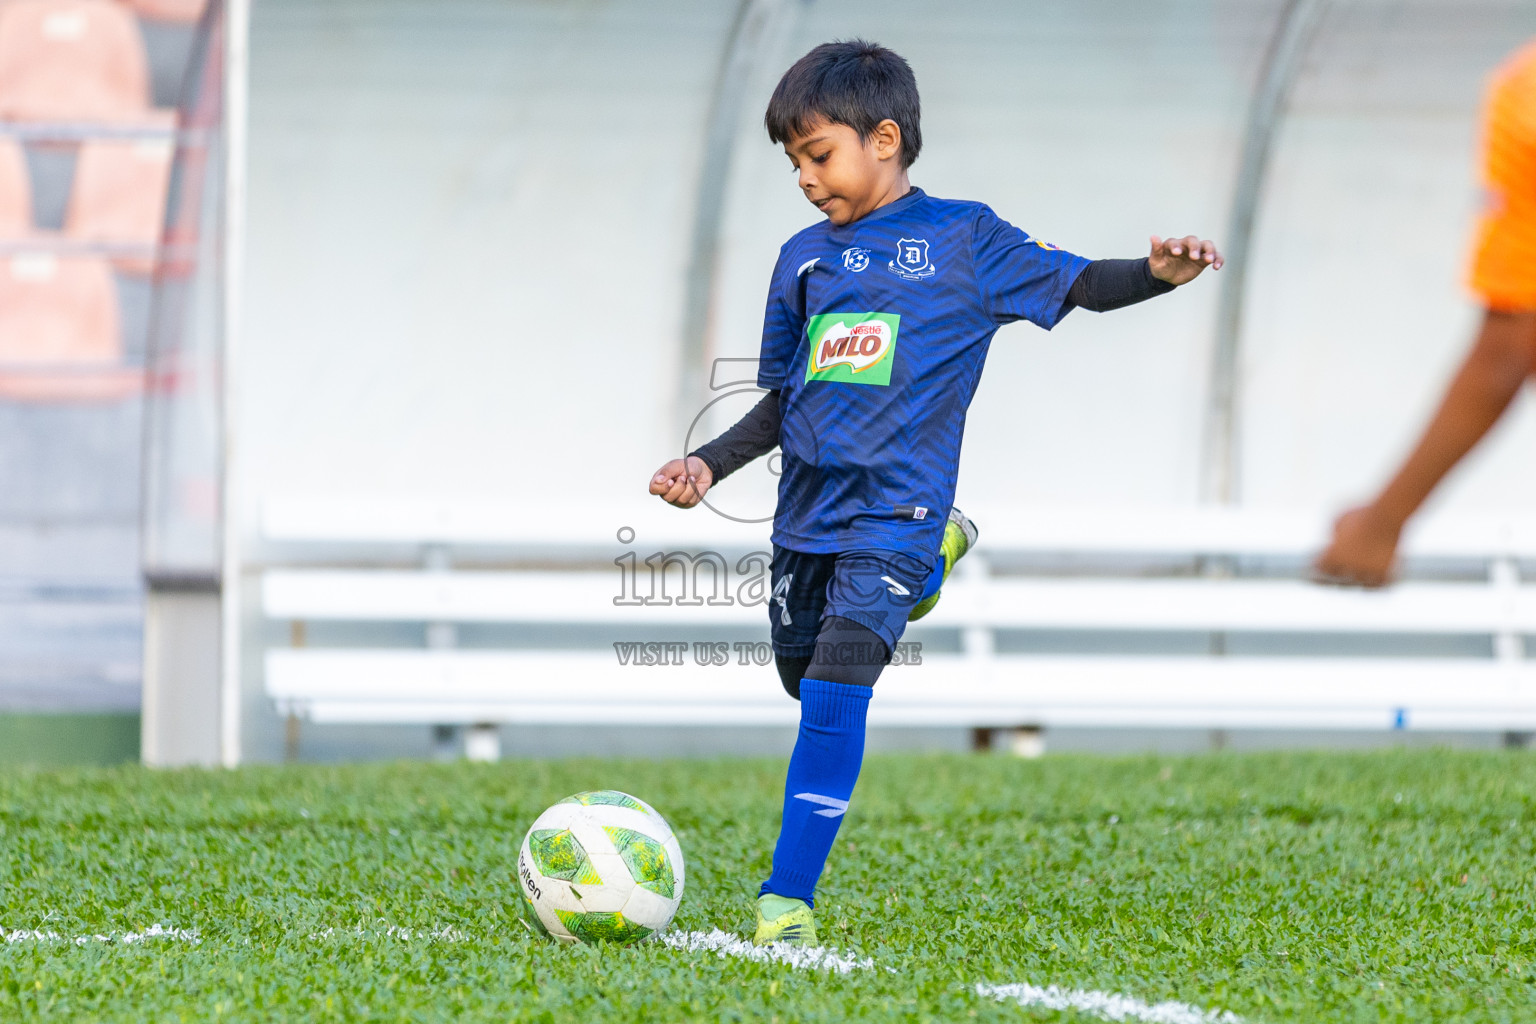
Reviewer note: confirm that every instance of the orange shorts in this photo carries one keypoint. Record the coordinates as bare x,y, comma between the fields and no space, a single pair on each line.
1504,259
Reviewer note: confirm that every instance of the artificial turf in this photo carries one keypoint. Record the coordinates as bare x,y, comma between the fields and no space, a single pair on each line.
1393,886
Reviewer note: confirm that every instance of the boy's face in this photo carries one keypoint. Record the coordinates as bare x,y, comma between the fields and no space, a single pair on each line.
845,176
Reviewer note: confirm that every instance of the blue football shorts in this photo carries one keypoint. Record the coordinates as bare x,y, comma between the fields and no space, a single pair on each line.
876,589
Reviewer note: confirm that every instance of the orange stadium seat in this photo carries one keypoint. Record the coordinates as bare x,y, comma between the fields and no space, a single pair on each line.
169,10
15,192
71,60
60,331
119,196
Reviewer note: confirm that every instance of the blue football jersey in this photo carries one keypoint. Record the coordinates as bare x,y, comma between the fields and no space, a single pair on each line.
875,336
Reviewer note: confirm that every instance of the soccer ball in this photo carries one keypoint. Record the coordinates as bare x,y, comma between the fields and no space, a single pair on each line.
600,867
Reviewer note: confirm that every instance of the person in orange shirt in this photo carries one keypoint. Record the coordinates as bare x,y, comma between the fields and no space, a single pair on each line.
1365,539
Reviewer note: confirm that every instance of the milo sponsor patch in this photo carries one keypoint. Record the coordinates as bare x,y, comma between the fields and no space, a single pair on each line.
855,348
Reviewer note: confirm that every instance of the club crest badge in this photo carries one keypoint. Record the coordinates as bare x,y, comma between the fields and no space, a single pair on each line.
856,259
911,260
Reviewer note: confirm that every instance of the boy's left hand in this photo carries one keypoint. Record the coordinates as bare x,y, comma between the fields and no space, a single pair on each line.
1177,260
1363,551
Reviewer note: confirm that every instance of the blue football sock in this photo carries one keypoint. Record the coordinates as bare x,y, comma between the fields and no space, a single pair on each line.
822,773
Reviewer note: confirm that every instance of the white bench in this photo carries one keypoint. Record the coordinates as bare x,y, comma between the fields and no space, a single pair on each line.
1094,588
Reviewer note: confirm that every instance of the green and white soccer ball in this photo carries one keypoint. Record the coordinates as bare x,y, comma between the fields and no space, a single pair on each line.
600,867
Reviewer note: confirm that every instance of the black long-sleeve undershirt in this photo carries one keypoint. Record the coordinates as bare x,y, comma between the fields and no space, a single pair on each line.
755,434
1113,284
1103,285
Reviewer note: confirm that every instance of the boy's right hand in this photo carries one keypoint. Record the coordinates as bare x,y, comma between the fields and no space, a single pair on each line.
682,482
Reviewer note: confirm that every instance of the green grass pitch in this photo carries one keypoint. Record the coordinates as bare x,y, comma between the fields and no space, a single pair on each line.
1394,886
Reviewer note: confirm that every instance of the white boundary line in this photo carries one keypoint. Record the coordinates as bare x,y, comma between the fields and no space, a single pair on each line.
1108,1005
723,944
154,931
381,930
390,931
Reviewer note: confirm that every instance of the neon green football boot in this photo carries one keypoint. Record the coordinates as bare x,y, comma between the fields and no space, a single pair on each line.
959,537
781,919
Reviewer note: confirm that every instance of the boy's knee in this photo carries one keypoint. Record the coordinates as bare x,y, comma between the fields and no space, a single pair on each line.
848,652
791,671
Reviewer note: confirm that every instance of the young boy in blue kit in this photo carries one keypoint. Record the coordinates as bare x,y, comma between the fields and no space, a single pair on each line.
878,323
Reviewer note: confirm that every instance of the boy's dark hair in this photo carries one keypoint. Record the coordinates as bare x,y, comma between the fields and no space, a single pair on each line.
852,82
